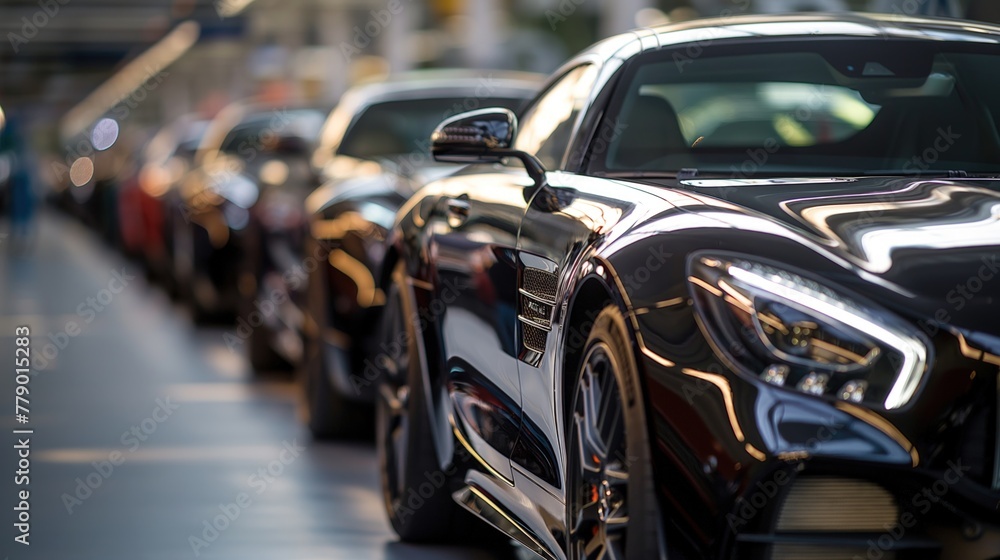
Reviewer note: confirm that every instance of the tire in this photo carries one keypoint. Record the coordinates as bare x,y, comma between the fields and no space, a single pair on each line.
609,453
165,268
202,313
184,272
260,352
406,455
182,244
327,413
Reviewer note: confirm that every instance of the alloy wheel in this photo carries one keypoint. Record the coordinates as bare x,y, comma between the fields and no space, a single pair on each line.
598,510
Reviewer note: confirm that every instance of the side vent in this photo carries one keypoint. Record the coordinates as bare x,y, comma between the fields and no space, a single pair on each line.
537,304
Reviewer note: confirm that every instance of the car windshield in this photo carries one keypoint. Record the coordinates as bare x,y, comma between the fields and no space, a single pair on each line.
814,107
394,128
279,130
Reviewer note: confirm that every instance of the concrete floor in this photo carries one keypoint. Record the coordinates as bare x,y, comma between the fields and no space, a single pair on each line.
148,429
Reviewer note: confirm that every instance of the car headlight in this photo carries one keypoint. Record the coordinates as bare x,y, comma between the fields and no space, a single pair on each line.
794,332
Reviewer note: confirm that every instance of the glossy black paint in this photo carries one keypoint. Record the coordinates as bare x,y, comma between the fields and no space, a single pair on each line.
906,244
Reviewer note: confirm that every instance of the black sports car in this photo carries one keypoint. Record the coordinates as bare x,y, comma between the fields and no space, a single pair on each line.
738,303
375,150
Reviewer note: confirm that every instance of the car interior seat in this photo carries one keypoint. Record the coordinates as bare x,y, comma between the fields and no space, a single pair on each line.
651,131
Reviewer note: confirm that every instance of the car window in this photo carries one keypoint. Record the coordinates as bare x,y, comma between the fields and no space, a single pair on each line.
242,136
394,128
882,107
278,131
547,126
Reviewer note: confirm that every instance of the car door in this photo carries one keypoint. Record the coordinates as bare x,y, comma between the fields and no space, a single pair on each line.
473,241
472,238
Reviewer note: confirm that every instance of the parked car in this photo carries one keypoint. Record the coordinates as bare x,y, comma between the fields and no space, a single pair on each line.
375,152
245,151
683,335
149,196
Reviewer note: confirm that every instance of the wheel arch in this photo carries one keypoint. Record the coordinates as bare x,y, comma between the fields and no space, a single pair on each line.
590,297
594,292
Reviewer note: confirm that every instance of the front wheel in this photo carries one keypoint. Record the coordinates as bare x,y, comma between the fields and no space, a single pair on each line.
611,508
261,352
328,413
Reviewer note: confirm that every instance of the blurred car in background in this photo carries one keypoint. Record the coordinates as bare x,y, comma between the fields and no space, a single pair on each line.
88,179
245,150
148,195
374,152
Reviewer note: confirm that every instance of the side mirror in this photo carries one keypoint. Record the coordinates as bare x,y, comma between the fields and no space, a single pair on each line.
483,136
471,137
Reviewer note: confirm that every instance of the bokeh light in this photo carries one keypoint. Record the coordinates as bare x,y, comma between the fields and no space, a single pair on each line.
82,171
105,134
274,172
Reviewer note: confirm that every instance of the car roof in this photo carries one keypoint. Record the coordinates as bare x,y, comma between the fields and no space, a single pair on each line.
793,27
436,83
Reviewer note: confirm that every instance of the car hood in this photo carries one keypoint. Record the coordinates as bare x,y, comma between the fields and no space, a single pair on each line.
936,242
381,182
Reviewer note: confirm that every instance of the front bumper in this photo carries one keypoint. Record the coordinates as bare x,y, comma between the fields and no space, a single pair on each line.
747,470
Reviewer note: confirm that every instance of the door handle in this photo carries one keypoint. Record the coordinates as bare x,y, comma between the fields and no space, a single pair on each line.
458,211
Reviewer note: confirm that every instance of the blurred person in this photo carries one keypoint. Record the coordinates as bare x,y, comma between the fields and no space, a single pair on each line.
20,182
6,162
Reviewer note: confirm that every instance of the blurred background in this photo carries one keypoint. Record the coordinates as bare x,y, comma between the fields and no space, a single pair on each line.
66,63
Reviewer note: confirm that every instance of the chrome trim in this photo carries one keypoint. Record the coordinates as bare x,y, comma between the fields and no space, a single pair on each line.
536,297
542,264
535,324
482,505
475,454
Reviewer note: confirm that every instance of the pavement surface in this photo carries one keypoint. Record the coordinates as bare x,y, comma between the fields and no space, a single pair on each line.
151,440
